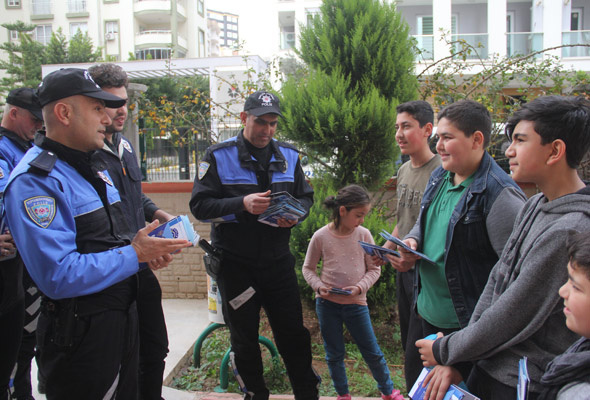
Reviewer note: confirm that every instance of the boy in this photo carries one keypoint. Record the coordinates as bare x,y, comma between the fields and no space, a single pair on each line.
466,216
413,127
520,312
568,375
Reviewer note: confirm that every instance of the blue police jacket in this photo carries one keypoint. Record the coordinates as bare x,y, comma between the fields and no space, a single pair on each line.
67,223
228,173
12,149
469,255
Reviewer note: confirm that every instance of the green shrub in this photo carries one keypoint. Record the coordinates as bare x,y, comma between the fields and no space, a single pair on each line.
381,297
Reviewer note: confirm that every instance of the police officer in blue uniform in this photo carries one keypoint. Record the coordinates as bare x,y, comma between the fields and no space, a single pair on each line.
233,185
21,119
68,225
121,161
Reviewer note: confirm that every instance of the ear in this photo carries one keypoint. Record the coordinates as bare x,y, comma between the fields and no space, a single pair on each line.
478,140
557,152
243,117
427,129
63,112
342,211
12,113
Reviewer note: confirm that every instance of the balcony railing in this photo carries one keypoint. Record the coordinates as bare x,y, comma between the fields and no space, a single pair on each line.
40,7
523,43
477,41
76,6
425,45
576,37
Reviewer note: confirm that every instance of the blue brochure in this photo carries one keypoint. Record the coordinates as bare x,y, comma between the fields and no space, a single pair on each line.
282,205
522,387
453,393
385,235
177,228
374,250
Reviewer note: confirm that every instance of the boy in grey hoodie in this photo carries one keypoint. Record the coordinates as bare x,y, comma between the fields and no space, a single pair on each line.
520,312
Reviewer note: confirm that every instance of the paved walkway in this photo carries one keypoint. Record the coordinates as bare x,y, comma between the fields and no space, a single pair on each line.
185,319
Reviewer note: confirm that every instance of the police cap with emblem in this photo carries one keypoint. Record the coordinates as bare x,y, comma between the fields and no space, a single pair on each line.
25,98
260,103
66,82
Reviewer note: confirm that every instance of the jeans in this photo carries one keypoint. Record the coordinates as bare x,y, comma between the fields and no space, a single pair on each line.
332,316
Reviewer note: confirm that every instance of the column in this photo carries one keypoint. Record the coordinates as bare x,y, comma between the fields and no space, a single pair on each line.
497,27
441,19
552,26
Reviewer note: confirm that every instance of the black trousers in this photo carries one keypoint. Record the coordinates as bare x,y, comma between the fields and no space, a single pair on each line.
273,287
11,330
153,337
22,378
99,363
410,326
487,388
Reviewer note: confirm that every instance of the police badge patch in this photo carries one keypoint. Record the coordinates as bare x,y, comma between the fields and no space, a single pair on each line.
41,210
126,145
203,168
105,178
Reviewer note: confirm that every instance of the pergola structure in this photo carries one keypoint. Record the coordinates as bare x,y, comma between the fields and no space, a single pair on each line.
219,69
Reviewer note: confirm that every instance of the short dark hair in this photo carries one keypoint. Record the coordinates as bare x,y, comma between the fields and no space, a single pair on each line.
578,251
350,196
469,116
420,110
558,117
109,75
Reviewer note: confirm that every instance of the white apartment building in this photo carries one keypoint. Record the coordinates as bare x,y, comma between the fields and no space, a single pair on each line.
502,27
147,29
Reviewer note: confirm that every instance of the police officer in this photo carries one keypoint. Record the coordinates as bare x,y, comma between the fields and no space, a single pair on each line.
68,224
121,161
233,185
21,119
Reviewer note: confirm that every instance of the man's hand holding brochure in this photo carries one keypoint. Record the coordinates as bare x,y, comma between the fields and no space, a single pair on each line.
282,205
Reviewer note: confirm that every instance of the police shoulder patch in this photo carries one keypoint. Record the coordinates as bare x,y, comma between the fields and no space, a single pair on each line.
1,173
203,168
105,178
126,145
41,210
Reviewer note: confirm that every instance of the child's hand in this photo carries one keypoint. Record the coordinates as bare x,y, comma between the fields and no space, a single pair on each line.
354,290
377,260
438,381
324,291
425,349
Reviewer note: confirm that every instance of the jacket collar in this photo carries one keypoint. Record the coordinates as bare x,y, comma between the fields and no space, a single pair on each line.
20,142
278,161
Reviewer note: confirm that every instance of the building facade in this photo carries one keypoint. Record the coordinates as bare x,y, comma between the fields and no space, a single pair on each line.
143,29
223,33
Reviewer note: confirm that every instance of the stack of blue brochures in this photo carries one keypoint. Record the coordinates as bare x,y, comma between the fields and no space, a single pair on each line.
282,205
385,235
374,250
177,228
453,393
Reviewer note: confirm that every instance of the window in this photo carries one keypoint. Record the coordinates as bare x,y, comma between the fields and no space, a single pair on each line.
152,54
112,27
13,36
201,7
43,33
76,6
13,3
201,43
78,26
41,7
576,19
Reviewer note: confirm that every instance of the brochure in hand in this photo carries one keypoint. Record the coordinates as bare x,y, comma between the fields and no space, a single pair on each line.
453,393
374,250
282,205
522,387
177,228
336,290
385,235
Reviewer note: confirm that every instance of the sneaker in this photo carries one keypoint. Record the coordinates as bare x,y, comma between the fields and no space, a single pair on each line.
395,395
344,397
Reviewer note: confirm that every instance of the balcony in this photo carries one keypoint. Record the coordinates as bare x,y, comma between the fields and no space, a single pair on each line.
477,42
425,45
158,38
157,11
523,43
575,37
40,7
